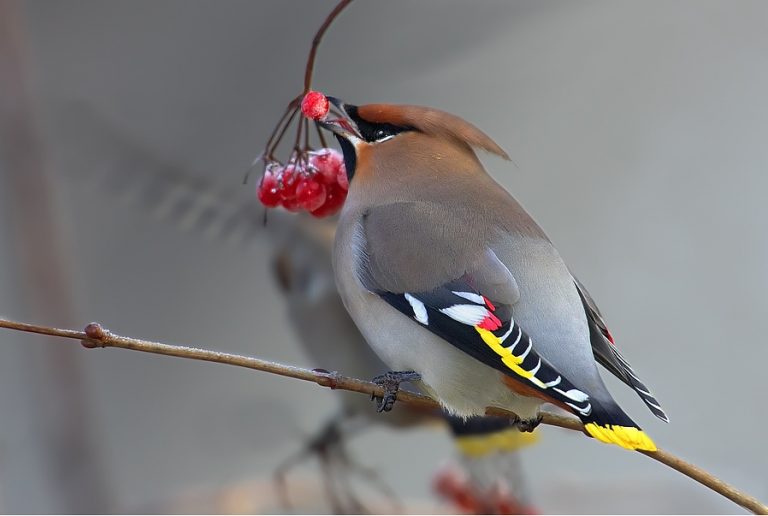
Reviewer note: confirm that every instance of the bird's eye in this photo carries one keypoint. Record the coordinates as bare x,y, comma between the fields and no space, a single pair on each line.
384,137
374,132
383,134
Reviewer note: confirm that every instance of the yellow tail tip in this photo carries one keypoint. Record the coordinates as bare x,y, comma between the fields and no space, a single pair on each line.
507,440
627,437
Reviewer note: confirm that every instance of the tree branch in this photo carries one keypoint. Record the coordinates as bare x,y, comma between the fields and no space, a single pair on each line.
316,43
95,336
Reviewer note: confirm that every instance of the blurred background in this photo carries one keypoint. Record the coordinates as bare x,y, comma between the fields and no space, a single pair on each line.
638,134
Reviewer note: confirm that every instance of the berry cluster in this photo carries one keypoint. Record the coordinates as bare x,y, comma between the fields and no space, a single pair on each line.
317,184
311,180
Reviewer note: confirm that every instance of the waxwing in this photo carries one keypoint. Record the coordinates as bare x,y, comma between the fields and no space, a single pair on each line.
456,287
301,251
302,267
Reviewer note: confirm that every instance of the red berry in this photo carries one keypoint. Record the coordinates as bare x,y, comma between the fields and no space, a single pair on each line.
310,194
269,190
292,204
289,180
326,162
334,200
341,176
314,105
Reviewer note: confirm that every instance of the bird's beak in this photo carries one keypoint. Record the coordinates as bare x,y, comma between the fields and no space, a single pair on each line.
339,122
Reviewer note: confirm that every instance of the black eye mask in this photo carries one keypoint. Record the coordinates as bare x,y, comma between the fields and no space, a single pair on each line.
373,132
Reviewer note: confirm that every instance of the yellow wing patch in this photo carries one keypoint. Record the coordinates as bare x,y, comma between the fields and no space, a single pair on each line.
625,436
494,343
507,357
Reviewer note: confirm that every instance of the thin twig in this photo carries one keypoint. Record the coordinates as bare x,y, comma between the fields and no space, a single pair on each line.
320,136
291,115
316,42
95,336
293,106
290,110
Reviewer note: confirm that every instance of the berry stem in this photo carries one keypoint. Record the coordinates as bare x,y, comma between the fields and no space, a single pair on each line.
302,131
293,105
299,132
316,42
269,148
291,114
321,136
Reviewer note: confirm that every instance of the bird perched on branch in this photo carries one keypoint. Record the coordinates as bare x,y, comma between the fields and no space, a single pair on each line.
456,287
491,479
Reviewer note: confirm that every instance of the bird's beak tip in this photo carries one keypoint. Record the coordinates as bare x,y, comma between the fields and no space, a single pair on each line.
340,122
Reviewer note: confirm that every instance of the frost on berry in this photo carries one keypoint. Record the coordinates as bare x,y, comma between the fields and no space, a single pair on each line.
269,188
326,162
289,180
316,183
314,105
310,180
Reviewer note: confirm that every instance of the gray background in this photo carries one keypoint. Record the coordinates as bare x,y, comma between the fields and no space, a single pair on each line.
638,130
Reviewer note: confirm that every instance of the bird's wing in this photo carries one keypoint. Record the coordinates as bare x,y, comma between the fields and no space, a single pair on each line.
467,297
608,355
458,312
411,254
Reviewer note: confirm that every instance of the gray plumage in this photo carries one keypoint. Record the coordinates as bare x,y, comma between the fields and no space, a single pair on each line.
423,213
302,266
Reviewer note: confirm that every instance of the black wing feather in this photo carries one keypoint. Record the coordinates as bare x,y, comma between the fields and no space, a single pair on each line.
609,356
522,363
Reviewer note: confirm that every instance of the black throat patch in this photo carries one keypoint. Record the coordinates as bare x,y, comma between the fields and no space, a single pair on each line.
350,159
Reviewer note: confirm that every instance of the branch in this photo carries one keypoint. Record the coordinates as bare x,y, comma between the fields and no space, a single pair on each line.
293,106
95,336
316,42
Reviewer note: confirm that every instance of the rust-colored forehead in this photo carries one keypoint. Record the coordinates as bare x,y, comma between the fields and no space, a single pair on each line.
385,113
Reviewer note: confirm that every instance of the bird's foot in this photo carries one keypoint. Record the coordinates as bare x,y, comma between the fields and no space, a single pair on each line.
391,381
528,425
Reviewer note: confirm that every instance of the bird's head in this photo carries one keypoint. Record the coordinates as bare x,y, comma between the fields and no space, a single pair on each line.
363,128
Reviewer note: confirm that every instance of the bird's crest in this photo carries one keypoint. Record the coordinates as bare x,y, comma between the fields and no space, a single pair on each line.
432,122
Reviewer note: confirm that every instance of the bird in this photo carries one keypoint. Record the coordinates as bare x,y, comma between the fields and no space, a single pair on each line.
457,288
300,250
491,479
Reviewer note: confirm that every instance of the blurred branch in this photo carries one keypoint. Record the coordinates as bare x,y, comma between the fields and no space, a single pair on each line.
95,336
73,479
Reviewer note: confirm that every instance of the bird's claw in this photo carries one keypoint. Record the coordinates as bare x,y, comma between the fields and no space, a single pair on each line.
528,425
391,381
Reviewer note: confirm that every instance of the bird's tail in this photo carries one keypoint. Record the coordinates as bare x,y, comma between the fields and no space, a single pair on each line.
607,423
491,478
